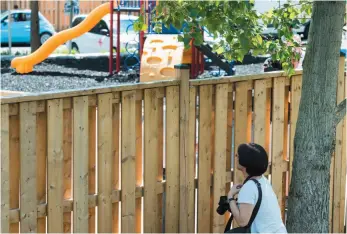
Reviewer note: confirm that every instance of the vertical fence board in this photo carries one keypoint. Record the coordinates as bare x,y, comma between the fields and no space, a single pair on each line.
116,166
151,155
41,154
128,161
191,160
262,114
229,142
160,156
340,163
14,165
28,201
5,170
294,111
242,123
139,162
278,130
172,160
105,163
55,165
80,165
220,155
204,177
67,152
91,161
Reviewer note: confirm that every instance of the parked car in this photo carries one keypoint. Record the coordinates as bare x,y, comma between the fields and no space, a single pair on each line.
20,27
302,30
97,40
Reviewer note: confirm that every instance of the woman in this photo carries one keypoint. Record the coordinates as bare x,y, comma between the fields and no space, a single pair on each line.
253,162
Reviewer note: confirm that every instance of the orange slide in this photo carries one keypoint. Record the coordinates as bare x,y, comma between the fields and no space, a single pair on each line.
26,64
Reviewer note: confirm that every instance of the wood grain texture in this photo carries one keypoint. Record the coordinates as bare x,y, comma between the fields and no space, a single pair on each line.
67,152
128,161
41,154
105,163
172,160
204,176
220,154
151,155
14,164
5,169
55,165
139,160
116,163
80,165
28,167
92,159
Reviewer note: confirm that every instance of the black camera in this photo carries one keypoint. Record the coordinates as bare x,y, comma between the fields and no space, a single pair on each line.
223,205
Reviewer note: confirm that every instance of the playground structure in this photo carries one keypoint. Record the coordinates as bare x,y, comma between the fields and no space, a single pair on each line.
194,54
144,154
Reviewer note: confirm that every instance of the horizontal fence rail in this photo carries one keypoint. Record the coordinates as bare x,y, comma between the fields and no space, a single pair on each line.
148,157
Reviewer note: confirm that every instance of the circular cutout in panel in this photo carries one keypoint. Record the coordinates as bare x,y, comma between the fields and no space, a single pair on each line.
167,71
154,60
156,41
170,47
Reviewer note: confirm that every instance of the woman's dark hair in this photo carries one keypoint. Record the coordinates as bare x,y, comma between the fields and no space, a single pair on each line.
254,158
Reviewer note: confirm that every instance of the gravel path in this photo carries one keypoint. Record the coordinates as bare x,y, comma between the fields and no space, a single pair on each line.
49,77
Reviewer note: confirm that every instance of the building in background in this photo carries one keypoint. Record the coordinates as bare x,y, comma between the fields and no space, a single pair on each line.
54,10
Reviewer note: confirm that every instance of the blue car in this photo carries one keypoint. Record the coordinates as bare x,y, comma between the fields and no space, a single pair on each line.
20,27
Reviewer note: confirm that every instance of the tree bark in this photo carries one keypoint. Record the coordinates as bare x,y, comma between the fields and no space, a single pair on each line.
34,26
308,207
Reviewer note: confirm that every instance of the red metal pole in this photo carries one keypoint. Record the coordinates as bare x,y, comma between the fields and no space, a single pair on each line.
110,60
192,67
202,62
118,41
142,33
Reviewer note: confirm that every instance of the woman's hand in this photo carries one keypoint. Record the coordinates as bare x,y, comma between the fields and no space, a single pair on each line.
234,190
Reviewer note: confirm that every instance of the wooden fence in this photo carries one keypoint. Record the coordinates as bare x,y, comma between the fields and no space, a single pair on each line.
148,157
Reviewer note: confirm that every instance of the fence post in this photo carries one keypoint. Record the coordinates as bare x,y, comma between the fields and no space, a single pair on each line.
183,73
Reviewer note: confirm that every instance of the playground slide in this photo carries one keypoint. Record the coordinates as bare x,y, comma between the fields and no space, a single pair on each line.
25,64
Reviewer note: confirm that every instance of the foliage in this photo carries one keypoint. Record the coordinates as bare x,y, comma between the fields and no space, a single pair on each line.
236,24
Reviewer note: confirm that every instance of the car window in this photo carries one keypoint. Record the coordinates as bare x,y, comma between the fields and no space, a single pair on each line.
77,21
126,26
97,28
21,17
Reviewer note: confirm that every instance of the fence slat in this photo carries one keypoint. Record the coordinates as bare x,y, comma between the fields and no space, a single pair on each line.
116,165
191,161
55,165
151,155
242,123
92,161
41,154
278,145
5,170
340,161
80,165
160,156
14,165
105,163
262,114
204,177
67,152
128,161
28,167
139,162
229,143
294,111
220,155
172,160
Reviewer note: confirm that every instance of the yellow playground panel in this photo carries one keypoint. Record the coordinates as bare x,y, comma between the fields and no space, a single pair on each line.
160,54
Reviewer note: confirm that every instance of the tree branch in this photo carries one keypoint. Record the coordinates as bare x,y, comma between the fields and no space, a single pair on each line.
340,111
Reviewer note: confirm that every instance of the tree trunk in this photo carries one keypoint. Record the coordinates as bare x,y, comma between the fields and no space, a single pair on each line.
314,142
34,26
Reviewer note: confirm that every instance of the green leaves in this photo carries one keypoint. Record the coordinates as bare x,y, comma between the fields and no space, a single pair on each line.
236,23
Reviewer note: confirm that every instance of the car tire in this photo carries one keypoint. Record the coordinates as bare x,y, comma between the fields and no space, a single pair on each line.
44,37
75,48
